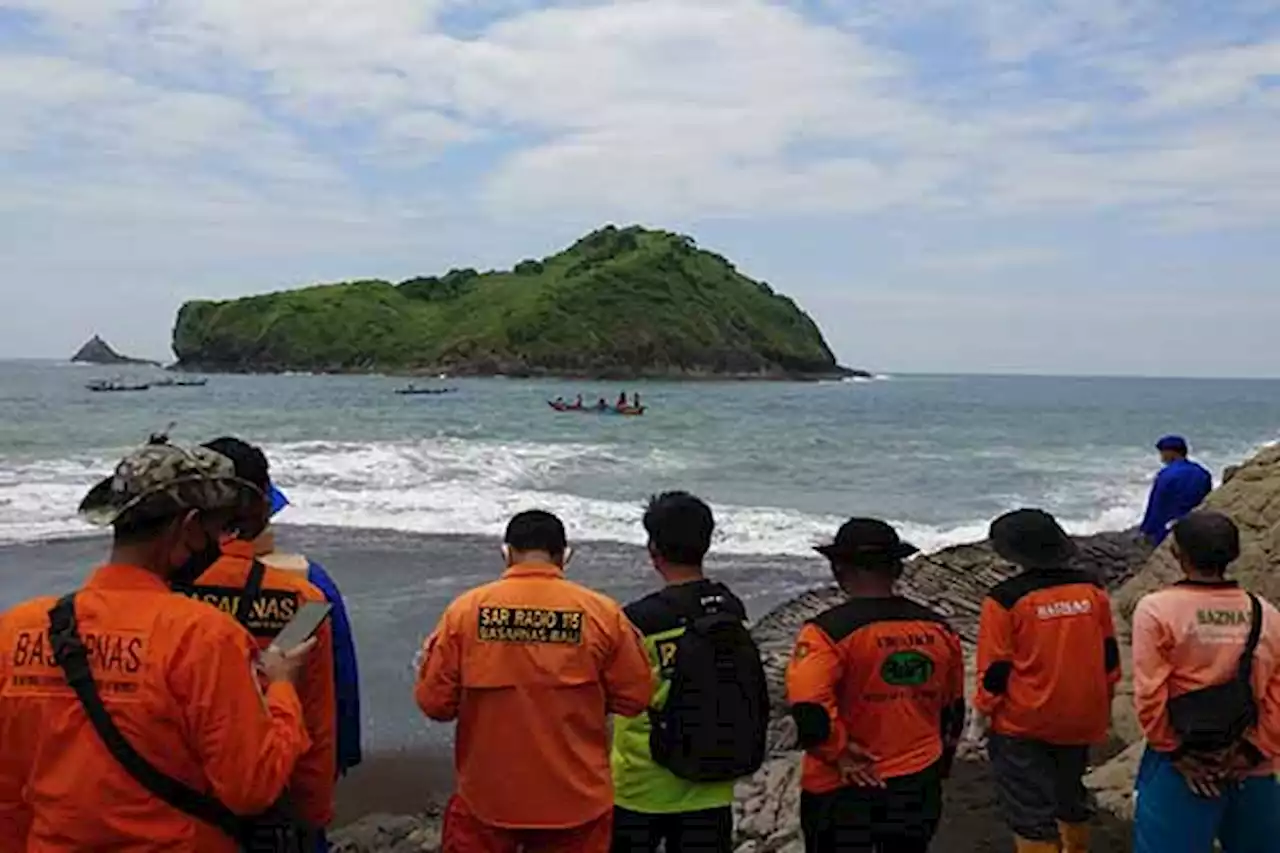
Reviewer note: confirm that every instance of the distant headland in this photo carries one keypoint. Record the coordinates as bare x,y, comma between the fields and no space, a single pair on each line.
618,303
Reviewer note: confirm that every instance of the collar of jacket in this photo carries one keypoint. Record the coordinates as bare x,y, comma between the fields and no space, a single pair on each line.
125,577
533,570
238,548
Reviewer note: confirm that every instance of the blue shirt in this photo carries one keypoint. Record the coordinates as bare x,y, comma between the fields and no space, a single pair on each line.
1178,489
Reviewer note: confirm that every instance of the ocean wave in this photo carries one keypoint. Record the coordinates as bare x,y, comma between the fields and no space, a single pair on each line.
454,485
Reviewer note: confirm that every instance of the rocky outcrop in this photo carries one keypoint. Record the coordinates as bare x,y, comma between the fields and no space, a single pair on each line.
1250,494
381,833
98,351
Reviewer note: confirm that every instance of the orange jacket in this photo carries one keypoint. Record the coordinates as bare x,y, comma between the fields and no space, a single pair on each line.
1190,636
312,784
1048,661
530,666
178,678
884,674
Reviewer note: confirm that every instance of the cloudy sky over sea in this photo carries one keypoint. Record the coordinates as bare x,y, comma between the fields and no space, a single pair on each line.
977,185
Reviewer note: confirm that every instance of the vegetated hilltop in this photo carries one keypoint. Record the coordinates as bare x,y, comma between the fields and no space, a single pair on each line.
620,302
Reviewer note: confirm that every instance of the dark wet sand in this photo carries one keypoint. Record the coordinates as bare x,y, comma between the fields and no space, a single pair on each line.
412,782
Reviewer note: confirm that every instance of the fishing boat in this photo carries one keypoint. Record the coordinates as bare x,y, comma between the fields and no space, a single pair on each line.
168,382
116,385
410,390
626,411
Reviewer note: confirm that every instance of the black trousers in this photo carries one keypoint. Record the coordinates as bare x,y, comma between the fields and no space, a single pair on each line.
709,831
900,818
1040,784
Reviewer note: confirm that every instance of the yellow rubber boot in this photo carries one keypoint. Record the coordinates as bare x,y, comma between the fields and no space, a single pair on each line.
1026,845
1075,837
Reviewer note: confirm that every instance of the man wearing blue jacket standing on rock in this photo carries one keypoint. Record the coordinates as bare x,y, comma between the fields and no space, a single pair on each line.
1178,489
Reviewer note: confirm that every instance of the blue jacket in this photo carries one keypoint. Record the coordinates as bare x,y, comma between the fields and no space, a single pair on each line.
346,674
1178,489
346,680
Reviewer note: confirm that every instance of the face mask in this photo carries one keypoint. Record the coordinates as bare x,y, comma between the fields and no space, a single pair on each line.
198,562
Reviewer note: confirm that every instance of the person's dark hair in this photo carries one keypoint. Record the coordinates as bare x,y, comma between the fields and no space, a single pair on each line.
536,530
137,531
251,463
680,527
1210,541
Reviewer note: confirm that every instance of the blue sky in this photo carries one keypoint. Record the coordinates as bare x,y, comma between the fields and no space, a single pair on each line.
1065,186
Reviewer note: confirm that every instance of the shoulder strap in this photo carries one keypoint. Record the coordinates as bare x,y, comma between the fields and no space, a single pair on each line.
252,590
1251,644
73,657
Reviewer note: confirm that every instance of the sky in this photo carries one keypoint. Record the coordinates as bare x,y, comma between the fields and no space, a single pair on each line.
1057,186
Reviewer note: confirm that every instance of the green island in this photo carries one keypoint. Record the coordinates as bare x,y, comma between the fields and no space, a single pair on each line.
619,303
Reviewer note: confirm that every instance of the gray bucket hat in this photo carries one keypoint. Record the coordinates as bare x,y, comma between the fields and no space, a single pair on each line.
162,480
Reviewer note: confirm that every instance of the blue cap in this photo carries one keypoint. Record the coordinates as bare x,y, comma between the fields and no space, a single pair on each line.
1172,442
277,499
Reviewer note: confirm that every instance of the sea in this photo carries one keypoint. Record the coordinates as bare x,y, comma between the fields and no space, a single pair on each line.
404,497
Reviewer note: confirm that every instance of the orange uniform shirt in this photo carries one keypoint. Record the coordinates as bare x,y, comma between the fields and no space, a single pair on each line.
178,679
530,666
312,784
1190,636
1048,661
885,674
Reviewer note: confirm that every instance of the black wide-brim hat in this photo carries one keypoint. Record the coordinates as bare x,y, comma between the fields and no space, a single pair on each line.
1032,537
867,541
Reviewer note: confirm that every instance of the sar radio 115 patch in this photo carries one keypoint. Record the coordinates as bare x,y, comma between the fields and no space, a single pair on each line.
529,625
273,609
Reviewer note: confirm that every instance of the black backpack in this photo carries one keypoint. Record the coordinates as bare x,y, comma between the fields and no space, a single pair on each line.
1218,717
714,724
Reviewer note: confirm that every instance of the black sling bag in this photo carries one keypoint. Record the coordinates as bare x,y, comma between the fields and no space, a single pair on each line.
1216,718
272,832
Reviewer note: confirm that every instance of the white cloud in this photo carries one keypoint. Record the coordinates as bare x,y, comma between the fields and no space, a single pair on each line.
222,128
987,261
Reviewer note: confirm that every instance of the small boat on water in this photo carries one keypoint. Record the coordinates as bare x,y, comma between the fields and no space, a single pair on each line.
627,411
412,391
179,383
116,385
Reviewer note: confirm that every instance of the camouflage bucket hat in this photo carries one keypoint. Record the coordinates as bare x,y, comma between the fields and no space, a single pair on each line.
161,480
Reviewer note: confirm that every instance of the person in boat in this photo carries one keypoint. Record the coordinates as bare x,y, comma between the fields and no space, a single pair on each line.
559,403
635,401
577,404
622,400
601,404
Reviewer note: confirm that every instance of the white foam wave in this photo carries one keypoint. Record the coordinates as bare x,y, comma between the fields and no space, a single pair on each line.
455,485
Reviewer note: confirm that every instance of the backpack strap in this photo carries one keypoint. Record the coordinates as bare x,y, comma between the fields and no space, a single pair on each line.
1245,672
252,590
71,654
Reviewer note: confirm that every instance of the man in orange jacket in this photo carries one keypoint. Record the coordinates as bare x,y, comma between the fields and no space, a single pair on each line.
876,687
179,679
531,666
280,594
1048,664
